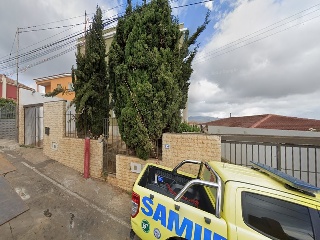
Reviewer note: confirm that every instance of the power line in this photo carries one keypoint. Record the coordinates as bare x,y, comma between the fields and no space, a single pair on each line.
42,47
67,41
35,43
51,28
67,19
73,25
42,53
49,48
191,4
47,38
231,50
15,36
70,38
106,23
254,34
23,69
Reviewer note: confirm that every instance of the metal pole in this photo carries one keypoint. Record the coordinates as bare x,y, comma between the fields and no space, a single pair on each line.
279,157
85,23
17,101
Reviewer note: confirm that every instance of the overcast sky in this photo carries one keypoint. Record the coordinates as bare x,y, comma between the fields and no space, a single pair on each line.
255,57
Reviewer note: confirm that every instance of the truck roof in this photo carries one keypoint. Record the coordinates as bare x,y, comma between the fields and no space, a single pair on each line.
236,173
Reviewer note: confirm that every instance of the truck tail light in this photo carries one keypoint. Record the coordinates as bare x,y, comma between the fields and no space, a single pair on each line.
135,204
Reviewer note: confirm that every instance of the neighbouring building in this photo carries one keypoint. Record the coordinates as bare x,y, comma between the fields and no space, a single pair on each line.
289,144
269,121
8,87
50,83
64,80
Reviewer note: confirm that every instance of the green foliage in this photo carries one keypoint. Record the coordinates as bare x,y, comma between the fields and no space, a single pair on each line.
5,102
185,127
90,81
149,70
56,91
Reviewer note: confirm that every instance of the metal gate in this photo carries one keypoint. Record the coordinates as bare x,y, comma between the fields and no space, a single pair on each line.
8,122
113,145
33,125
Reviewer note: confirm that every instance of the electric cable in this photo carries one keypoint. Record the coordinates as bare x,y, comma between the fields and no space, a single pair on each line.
67,19
75,38
272,34
245,38
106,22
191,4
46,49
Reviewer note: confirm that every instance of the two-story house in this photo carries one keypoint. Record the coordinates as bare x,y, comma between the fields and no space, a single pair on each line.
8,87
50,83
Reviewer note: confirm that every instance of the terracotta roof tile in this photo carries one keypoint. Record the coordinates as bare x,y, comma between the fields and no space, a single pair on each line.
245,122
269,121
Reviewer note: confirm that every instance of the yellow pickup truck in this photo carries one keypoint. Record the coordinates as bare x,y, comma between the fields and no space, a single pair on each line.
223,201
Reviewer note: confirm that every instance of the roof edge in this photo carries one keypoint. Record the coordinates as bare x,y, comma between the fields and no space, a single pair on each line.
52,77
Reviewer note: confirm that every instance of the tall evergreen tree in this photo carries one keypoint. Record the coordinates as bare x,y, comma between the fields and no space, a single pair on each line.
149,69
90,80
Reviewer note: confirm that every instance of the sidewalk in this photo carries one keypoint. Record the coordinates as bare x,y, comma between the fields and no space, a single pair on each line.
87,209
8,144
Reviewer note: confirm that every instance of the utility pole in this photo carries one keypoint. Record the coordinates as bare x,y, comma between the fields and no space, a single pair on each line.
85,23
17,101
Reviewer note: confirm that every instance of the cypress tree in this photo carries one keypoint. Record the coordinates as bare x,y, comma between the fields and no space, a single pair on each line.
90,81
149,69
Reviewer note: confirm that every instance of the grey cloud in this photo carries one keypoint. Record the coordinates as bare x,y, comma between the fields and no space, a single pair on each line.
21,13
256,77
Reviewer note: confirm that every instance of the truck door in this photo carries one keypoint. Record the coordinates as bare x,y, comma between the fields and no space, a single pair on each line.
206,226
263,215
167,218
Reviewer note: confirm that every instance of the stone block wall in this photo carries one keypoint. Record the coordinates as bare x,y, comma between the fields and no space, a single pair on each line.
192,146
125,178
68,151
175,148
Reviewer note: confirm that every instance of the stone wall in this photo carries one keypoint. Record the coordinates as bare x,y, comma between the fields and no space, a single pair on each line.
68,151
192,146
175,148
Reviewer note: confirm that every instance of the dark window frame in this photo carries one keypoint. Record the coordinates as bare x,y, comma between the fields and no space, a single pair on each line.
315,219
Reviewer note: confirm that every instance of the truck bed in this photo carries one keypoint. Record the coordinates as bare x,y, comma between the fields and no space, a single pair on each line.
169,184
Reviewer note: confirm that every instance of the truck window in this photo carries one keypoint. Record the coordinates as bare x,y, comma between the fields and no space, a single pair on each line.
276,218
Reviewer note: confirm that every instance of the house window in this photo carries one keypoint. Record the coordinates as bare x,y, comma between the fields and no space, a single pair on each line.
70,87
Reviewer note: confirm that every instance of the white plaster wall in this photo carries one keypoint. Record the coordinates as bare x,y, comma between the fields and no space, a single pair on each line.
27,97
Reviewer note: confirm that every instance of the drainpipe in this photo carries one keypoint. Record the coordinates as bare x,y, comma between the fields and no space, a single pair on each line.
4,86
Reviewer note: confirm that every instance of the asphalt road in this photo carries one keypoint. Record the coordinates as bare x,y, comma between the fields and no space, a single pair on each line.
63,205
